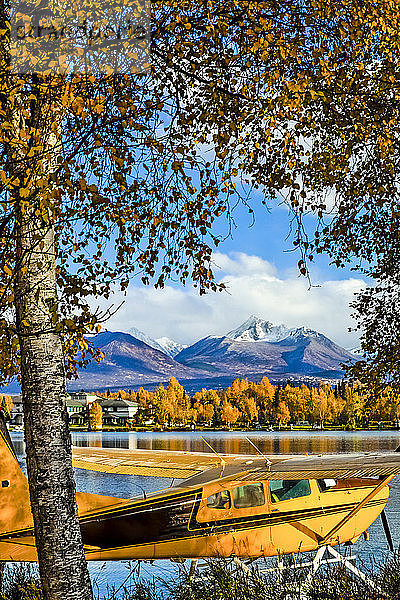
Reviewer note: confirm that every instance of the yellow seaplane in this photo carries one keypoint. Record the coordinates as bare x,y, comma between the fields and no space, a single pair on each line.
222,506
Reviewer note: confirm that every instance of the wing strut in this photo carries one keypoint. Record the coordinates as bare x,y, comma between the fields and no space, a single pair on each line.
259,451
356,509
222,461
387,531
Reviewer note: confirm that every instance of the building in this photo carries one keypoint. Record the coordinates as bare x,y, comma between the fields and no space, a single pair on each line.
76,405
86,397
76,410
117,411
17,412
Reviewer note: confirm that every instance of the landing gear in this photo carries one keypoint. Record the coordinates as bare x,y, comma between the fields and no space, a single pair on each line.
325,555
335,558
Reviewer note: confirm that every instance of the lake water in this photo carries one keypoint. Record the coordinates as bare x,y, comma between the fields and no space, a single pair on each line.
114,573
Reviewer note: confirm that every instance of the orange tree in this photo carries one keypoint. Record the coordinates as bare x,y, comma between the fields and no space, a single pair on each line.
238,94
229,414
95,416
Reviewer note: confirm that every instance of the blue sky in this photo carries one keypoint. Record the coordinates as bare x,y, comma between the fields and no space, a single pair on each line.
267,237
260,271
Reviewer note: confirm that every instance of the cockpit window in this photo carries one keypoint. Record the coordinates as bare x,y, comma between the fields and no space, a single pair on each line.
326,484
219,500
246,496
288,489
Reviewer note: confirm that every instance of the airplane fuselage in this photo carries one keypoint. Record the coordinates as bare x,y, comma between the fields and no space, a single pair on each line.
218,519
179,523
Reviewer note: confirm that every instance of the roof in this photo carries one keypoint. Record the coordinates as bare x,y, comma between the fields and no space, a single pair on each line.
75,402
117,402
83,394
16,398
114,414
77,417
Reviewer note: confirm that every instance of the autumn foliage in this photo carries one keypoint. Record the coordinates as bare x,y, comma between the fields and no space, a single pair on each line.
6,404
245,403
95,416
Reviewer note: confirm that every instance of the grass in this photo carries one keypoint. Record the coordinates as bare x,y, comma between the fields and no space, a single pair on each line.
222,580
20,581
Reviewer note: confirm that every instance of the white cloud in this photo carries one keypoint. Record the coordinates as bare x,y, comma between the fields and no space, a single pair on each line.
239,263
254,287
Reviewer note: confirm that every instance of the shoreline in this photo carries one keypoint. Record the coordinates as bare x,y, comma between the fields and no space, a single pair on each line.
283,429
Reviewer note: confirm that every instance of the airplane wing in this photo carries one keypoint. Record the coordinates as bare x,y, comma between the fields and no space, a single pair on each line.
201,467
156,463
335,466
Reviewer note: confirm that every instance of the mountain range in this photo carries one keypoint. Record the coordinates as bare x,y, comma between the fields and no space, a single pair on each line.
254,349
259,346
129,361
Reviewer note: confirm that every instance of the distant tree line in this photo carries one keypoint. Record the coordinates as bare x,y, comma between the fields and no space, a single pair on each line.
247,403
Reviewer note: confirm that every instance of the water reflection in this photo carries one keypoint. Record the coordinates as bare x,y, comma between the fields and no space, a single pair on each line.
296,442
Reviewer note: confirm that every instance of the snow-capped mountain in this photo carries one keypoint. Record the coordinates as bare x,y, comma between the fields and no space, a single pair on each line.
258,346
256,330
163,344
300,333
169,346
143,337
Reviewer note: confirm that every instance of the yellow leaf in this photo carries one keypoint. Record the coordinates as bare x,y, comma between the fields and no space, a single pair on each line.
7,269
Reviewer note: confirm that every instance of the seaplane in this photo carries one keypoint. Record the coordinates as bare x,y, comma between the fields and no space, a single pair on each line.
232,506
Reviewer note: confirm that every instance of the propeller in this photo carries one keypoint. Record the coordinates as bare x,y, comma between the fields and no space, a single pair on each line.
387,531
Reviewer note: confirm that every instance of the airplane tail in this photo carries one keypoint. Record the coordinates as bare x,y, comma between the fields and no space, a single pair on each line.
17,542
15,513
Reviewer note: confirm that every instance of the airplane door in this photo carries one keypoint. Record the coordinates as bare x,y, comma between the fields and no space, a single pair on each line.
213,518
251,515
293,503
